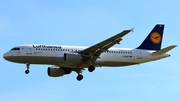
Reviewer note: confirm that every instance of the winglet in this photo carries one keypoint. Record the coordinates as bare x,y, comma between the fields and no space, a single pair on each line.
164,50
132,30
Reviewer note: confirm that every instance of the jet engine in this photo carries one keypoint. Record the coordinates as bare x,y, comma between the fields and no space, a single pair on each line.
57,71
72,57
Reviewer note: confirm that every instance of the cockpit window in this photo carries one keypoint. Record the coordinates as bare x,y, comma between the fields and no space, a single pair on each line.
15,48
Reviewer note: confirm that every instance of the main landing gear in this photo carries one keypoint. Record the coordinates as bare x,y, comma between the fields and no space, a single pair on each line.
79,77
27,70
91,68
79,71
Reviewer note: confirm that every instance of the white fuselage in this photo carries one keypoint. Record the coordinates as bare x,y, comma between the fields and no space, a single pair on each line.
54,55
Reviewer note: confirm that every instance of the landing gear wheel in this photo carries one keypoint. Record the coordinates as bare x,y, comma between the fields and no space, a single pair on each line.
91,68
27,71
79,77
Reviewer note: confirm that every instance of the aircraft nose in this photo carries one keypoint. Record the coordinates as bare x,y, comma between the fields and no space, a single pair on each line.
6,56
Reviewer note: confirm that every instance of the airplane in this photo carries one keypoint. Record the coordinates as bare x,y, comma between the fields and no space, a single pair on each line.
65,59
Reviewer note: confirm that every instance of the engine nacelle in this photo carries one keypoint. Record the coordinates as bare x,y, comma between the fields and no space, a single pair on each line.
72,57
55,71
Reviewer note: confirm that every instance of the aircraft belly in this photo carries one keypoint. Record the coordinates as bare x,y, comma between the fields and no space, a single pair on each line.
35,59
59,61
110,63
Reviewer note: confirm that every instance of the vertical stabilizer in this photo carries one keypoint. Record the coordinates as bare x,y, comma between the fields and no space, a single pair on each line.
154,39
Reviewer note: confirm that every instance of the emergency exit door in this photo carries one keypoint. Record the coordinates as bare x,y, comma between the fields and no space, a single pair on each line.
139,54
29,50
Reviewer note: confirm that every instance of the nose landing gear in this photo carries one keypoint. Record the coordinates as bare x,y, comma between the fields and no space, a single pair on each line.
27,70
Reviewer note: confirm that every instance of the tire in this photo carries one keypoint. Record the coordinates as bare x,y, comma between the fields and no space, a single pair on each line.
91,68
27,71
79,77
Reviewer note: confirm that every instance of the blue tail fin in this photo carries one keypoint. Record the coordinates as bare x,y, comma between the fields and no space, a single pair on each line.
154,39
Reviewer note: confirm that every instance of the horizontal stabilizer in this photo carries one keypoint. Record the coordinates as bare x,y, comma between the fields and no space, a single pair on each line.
164,50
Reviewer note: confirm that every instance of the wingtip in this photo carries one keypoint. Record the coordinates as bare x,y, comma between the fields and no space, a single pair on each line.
174,45
132,30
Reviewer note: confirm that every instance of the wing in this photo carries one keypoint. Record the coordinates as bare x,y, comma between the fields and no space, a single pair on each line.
95,51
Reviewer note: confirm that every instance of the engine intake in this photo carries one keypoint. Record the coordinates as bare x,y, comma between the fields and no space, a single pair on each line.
72,57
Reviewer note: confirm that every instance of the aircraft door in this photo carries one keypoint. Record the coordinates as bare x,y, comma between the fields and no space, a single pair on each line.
139,54
28,50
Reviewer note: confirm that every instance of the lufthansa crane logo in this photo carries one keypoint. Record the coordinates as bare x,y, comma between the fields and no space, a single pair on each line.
155,37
